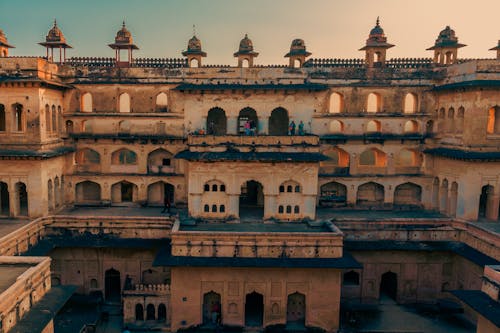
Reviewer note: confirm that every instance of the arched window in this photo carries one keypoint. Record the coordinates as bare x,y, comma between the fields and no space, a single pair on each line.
88,192
222,209
373,103
124,126
214,208
370,194
150,312
124,103
162,312
161,102
336,103
450,124
18,117
206,208
493,120
351,278
216,122
411,126
214,188
87,126
194,63
278,122
206,188
296,210
87,156
373,126
460,120
139,312
407,157
280,209
53,122
3,123
47,118
410,104
336,126
290,187
124,156
289,209
408,194
86,102
373,157
282,189
60,123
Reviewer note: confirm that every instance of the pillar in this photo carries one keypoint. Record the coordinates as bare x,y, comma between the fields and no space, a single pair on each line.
390,168
142,193
309,206
13,201
234,205
232,125
106,192
388,195
263,125
269,205
351,195
353,165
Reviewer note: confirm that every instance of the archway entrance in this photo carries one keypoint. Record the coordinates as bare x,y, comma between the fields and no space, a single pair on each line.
247,115
4,200
211,308
252,200
139,312
126,191
486,203
296,310
389,285
22,196
278,122
216,122
158,191
254,309
112,285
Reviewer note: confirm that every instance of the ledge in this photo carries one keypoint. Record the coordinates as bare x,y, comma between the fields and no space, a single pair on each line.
481,303
463,154
251,156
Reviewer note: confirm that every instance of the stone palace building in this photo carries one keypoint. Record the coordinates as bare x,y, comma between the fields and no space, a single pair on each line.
296,194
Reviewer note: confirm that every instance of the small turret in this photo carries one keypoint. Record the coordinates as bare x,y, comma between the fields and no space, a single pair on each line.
376,46
194,51
497,48
123,41
298,53
246,52
55,40
446,47
4,45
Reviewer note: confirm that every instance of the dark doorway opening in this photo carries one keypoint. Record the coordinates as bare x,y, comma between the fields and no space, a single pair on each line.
139,312
168,192
278,122
296,310
112,285
252,200
4,200
211,308
254,309
127,190
150,312
248,115
216,122
162,312
22,195
389,285
483,200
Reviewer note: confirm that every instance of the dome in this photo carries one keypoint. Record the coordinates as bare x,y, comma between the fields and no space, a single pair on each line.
123,36
447,38
246,45
194,47
377,30
55,35
194,44
298,47
3,40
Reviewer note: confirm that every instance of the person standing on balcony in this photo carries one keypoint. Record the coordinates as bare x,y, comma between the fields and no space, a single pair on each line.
291,128
247,127
301,128
166,203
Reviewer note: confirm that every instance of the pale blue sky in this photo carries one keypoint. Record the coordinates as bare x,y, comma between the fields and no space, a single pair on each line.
330,28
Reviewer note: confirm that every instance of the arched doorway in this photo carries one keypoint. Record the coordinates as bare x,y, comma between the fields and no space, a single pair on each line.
216,122
211,307
252,200
486,202
389,285
278,122
139,312
124,192
22,197
112,285
250,115
162,312
157,192
4,199
254,309
150,312
296,309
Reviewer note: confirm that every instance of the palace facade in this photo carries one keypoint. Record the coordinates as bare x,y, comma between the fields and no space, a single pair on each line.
292,191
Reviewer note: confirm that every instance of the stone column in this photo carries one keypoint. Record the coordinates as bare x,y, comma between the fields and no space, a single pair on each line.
351,194
388,195
232,125
142,193
309,208
106,192
390,168
234,205
263,125
194,204
13,201
269,205
353,164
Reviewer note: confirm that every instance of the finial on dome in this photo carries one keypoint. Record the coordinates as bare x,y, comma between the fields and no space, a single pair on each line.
55,22
194,30
123,24
378,21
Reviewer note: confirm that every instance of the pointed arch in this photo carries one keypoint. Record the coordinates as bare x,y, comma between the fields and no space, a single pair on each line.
408,194
373,126
493,125
337,162
410,103
87,156
247,115
86,102
370,194
336,126
216,121
411,126
278,122
124,156
88,192
373,102
160,161
336,103
373,157
333,193
161,102
124,103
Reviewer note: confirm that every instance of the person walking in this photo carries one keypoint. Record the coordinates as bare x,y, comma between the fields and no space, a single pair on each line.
247,128
166,203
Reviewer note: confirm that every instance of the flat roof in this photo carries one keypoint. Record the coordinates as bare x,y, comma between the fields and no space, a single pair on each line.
164,258
44,310
481,303
458,248
287,227
9,274
251,156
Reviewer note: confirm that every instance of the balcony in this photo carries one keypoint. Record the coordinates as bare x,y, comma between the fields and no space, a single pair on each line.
240,140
